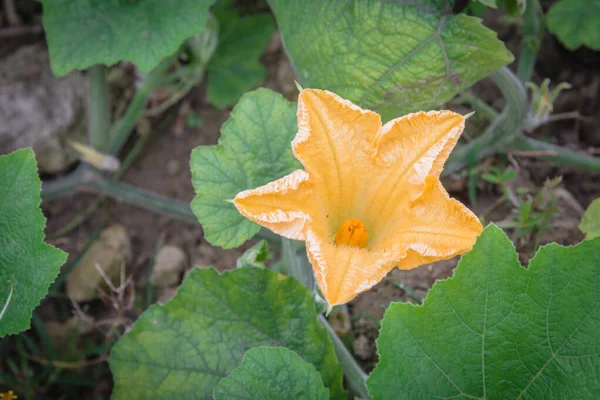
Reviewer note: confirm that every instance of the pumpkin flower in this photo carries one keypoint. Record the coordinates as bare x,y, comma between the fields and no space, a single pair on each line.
10,395
369,197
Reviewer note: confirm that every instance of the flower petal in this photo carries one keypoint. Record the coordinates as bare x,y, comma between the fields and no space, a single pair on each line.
419,144
283,206
435,227
409,149
342,272
334,143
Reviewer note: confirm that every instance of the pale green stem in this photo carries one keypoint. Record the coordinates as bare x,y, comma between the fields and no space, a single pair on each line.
98,108
140,197
502,131
355,376
65,186
505,134
300,269
562,155
297,265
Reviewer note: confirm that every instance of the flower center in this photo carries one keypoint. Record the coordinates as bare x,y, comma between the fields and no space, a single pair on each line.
353,233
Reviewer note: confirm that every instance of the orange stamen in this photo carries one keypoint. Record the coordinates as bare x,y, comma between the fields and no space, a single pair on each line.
352,233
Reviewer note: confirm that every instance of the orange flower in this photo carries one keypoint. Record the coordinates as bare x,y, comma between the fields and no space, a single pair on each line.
10,395
369,197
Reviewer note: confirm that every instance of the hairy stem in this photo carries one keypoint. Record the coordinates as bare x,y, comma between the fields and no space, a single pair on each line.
98,108
355,376
502,131
297,265
559,154
65,186
140,197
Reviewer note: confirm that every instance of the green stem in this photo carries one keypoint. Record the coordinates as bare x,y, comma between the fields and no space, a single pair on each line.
355,376
561,154
297,265
65,186
140,197
502,131
120,131
98,108
530,43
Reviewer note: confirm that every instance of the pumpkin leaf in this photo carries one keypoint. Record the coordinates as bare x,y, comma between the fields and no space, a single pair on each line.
83,33
254,149
273,373
393,57
27,265
184,348
496,330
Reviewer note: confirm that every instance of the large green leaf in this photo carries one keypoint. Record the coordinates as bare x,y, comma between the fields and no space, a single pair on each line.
254,149
27,265
273,373
497,330
183,349
590,223
235,68
83,33
390,56
575,23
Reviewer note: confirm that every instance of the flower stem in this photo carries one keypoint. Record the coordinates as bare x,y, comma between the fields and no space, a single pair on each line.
98,108
300,269
297,265
355,376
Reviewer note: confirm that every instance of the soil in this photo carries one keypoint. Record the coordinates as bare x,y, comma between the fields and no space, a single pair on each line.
162,167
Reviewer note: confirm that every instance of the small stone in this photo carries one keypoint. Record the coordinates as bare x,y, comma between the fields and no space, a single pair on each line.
168,266
173,167
363,348
29,119
110,252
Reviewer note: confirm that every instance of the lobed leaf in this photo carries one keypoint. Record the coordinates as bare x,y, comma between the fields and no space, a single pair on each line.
83,33
27,265
393,57
273,373
496,330
254,149
183,349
